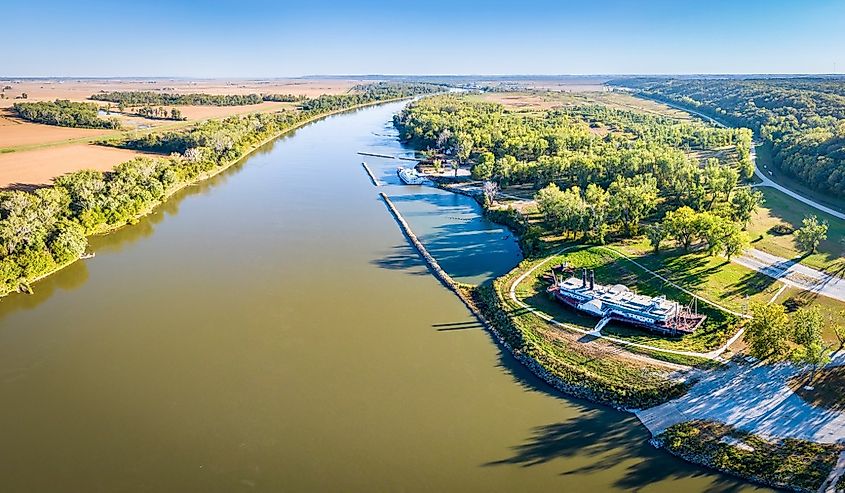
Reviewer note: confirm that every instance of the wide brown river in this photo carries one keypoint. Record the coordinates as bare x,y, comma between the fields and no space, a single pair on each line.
270,330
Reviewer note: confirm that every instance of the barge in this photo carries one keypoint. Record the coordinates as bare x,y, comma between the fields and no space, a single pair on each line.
618,302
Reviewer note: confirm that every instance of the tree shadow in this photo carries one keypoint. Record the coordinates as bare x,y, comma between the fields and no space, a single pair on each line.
25,187
402,257
604,438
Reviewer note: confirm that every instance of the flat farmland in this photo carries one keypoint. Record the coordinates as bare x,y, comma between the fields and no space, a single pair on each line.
16,132
82,89
39,166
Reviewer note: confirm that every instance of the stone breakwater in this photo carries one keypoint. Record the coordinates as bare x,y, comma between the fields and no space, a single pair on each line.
526,360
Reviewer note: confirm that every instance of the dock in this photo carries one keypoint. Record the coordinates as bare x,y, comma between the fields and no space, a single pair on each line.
373,178
387,156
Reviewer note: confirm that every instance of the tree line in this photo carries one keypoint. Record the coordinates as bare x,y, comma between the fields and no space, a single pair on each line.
64,113
366,93
151,98
44,229
802,119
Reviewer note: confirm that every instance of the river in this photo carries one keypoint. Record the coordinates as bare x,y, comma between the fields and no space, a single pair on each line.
271,330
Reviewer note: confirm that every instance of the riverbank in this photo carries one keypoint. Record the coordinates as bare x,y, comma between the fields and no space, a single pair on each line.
785,463
23,284
590,372
796,464
793,464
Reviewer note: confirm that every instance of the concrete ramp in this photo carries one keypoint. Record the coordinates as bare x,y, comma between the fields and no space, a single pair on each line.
658,418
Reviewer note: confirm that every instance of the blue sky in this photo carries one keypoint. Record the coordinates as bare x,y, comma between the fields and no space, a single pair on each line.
246,38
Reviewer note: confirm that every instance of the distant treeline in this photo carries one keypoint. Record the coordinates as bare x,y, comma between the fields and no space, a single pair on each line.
283,98
64,113
42,230
802,119
150,98
369,92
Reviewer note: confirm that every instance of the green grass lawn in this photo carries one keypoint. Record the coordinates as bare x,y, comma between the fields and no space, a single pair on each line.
780,208
599,369
832,310
611,269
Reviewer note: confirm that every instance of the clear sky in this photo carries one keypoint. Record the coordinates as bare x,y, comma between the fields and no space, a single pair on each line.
247,38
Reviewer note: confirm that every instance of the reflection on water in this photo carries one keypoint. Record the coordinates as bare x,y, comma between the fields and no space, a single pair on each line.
271,330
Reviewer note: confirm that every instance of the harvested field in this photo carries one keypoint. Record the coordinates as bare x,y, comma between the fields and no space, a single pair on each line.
203,112
38,167
80,90
16,132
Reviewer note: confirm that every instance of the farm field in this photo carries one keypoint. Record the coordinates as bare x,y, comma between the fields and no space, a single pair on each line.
33,153
81,89
39,166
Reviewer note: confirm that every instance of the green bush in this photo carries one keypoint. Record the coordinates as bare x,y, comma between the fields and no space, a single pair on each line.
786,463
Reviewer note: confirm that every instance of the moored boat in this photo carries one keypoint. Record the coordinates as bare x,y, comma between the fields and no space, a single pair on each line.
409,176
617,302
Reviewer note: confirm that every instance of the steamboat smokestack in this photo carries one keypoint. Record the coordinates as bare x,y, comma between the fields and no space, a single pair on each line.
592,279
583,278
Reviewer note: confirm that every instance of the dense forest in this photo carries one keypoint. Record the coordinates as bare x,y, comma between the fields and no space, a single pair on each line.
802,119
44,229
64,113
561,146
591,182
150,98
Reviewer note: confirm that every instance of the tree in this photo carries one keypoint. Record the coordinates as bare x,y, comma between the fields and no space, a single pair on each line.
807,324
631,199
734,241
490,189
745,203
548,202
598,201
839,330
656,233
768,332
811,233
682,225
815,353
483,168
565,210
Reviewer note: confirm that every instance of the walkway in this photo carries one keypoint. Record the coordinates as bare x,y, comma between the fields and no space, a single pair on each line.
790,272
754,398
767,182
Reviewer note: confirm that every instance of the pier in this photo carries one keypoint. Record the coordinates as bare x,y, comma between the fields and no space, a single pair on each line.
373,178
387,156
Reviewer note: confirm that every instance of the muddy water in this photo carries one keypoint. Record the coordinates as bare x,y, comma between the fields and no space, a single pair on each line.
272,331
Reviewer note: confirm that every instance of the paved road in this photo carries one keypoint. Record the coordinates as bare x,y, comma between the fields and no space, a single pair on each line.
766,181
755,398
790,272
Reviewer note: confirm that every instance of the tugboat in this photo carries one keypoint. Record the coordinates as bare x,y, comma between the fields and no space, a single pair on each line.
409,176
